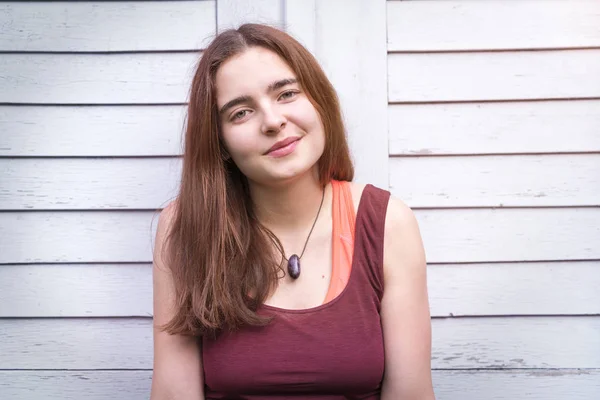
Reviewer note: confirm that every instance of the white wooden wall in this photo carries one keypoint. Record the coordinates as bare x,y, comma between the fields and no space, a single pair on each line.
493,114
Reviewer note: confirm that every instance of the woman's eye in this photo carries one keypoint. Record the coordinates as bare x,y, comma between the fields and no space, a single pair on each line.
287,95
240,114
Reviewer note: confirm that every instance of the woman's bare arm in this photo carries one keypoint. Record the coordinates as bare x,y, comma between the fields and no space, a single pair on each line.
405,309
177,373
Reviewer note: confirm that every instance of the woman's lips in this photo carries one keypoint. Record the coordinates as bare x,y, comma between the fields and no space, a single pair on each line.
284,151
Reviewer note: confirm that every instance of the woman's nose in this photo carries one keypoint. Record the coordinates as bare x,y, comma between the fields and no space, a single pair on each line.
273,120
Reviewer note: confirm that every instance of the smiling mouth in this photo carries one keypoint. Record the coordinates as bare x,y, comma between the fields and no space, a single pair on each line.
283,148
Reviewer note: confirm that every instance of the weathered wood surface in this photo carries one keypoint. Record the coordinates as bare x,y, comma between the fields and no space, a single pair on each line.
492,24
494,76
360,81
481,235
106,25
450,236
73,131
233,13
495,128
150,78
77,236
147,183
464,343
71,184
495,181
125,290
448,385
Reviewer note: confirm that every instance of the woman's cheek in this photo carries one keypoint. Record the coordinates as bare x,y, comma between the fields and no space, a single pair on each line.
241,144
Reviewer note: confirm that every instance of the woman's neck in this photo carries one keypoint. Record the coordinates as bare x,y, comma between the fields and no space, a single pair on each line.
289,207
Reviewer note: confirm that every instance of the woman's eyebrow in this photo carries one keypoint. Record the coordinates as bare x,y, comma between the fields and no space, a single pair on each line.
245,99
281,83
235,102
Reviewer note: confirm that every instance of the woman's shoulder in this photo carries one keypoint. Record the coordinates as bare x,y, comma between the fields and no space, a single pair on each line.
164,225
396,206
357,190
399,216
167,214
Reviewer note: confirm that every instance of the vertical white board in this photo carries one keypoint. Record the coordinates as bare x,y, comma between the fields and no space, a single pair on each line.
348,38
233,13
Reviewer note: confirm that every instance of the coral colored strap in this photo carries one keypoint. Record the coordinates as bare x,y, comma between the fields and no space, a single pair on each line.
344,219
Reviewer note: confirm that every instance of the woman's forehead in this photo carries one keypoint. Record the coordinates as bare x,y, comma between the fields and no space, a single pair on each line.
255,68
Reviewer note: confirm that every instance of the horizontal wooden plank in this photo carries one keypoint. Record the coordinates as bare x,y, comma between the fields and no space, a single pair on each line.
448,385
76,290
455,235
78,343
523,127
546,180
517,384
106,26
482,235
96,78
63,184
91,130
77,236
69,385
525,24
494,128
494,76
520,342
125,290
233,13
523,342
556,288
495,181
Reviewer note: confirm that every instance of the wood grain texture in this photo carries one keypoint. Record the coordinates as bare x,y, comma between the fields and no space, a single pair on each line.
448,385
517,384
80,343
545,288
494,76
75,184
76,290
125,290
494,128
233,13
493,24
74,236
69,385
465,343
483,235
301,22
106,26
450,236
343,32
91,131
484,128
496,181
150,78
518,342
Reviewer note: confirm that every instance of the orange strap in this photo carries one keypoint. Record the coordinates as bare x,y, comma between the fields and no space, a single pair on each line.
344,218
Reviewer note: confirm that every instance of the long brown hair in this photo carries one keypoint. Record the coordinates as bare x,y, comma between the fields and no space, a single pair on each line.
217,250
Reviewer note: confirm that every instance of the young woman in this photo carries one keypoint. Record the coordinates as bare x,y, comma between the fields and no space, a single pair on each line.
275,276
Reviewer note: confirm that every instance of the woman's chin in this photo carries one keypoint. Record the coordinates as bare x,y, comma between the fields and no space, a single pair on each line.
285,176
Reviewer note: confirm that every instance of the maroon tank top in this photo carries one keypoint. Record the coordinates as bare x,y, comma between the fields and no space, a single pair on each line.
332,351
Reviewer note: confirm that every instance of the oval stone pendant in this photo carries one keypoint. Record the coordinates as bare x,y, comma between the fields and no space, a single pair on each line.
294,266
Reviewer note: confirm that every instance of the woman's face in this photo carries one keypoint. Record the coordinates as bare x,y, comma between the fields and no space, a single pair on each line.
269,127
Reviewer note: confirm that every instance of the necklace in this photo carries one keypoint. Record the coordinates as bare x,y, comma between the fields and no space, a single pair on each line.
293,263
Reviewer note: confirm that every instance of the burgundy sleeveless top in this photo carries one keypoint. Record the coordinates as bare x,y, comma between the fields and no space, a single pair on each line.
332,351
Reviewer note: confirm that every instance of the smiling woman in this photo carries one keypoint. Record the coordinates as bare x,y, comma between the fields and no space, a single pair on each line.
267,182
269,115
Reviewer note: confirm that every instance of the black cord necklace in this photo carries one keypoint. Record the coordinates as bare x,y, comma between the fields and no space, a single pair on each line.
293,263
